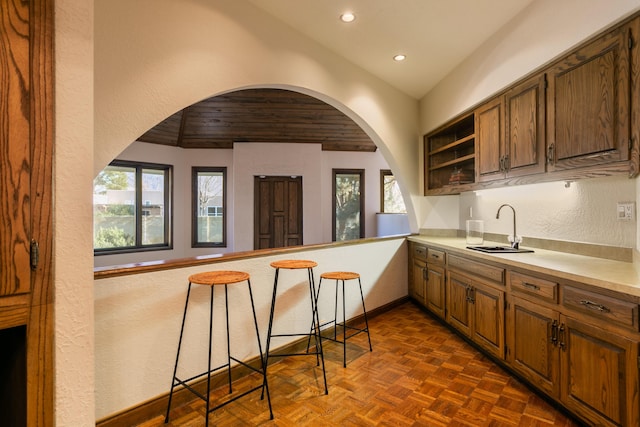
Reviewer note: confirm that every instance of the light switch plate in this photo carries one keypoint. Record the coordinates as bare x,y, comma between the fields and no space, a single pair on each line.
625,211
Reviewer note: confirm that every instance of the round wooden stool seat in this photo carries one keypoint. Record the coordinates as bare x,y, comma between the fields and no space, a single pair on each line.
293,264
340,275
211,278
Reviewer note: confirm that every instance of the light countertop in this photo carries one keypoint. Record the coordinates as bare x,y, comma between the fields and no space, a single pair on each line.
617,276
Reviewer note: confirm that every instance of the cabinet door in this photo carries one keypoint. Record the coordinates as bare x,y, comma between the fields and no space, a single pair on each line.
599,374
458,303
524,128
532,344
418,281
488,318
588,104
15,160
489,145
435,290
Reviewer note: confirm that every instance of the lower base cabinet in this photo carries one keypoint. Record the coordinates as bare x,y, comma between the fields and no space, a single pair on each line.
578,345
599,374
476,310
532,344
435,292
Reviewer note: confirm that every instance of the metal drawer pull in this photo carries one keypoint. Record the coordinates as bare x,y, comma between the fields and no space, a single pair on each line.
435,256
594,306
531,286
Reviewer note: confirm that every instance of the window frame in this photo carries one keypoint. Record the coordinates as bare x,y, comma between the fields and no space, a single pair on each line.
194,206
168,209
335,173
384,173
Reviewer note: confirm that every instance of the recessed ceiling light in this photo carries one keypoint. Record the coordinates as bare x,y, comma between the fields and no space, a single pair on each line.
399,57
347,17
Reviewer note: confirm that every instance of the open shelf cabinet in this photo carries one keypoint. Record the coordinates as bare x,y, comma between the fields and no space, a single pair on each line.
450,157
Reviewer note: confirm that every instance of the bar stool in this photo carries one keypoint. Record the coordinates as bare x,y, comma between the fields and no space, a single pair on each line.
315,332
213,279
341,276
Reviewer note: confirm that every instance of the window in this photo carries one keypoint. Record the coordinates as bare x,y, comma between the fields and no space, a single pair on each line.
391,200
209,201
348,204
132,208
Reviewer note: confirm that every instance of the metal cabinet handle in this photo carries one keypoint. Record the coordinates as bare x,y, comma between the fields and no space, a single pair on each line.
550,154
470,294
561,337
554,333
595,306
531,286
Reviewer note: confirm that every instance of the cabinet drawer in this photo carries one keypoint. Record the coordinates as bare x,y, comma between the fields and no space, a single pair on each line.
419,252
435,256
612,309
494,274
540,288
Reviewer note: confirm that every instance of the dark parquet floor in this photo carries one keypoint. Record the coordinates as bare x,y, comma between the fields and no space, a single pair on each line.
419,374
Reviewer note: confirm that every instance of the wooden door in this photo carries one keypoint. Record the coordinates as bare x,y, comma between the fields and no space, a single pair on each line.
588,104
489,141
435,294
15,154
26,147
599,374
277,212
458,305
488,318
524,128
532,344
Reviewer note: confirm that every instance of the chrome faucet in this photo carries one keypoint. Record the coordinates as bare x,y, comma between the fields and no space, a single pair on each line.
514,240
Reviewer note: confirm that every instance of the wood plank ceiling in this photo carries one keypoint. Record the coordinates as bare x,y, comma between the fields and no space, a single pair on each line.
260,115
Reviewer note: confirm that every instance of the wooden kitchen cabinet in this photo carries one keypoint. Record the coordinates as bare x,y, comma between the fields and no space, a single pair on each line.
449,157
588,104
510,132
490,140
599,373
476,310
524,122
26,277
418,287
532,344
435,294
417,272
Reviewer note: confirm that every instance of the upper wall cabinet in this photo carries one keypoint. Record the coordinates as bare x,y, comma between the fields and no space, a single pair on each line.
449,157
574,118
524,137
510,138
490,142
588,109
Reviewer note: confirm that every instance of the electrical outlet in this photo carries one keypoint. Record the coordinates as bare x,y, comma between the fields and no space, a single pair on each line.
625,211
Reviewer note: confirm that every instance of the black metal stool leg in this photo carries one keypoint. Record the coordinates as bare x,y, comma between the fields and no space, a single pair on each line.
344,329
364,310
208,399
175,368
314,310
265,383
226,311
269,329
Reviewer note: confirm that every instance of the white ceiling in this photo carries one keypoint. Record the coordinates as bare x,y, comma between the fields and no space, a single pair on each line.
435,35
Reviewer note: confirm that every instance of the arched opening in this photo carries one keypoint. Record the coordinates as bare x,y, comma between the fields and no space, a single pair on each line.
249,133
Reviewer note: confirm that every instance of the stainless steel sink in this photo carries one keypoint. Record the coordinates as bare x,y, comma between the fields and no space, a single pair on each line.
498,249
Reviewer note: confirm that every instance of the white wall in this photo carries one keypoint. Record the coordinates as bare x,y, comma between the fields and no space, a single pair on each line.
243,162
138,317
586,211
543,31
